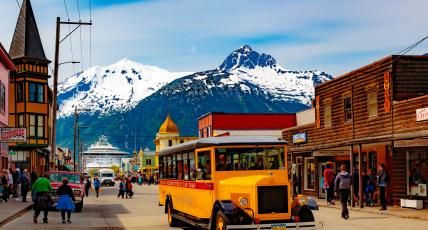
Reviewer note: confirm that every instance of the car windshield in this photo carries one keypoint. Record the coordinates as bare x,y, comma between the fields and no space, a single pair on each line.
57,177
106,174
257,158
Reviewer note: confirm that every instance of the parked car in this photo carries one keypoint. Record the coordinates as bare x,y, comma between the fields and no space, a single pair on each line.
74,182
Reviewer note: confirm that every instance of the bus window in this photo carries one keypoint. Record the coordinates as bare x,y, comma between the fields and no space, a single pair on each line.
186,166
234,159
179,167
204,166
192,166
161,167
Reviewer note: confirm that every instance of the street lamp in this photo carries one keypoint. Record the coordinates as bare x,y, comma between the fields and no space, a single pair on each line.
79,153
76,119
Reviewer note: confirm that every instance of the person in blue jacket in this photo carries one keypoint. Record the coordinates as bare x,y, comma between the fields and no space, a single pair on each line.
97,185
66,200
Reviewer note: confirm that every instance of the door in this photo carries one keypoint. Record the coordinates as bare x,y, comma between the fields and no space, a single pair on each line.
321,167
299,170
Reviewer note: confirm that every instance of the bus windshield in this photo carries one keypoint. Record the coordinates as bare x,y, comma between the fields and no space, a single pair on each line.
255,158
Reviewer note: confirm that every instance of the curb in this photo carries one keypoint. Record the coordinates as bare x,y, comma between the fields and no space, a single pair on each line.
386,213
16,215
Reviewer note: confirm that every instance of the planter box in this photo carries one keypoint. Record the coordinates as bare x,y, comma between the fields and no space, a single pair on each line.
417,204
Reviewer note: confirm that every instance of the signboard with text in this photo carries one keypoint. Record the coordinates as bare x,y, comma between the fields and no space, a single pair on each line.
422,114
13,135
411,143
299,138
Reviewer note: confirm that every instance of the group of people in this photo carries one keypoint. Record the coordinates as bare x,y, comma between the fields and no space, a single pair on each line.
125,188
88,185
14,183
143,179
340,186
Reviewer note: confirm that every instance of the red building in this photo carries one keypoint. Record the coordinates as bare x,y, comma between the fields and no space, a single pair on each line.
6,65
238,124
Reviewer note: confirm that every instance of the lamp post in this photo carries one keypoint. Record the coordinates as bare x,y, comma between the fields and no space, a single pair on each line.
76,120
79,153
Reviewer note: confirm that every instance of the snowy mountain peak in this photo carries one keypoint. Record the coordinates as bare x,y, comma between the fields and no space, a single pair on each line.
246,57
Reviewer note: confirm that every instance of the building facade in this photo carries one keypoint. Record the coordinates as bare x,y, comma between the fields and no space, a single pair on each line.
147,162
220,124
6,65
377,114
29,93
102,155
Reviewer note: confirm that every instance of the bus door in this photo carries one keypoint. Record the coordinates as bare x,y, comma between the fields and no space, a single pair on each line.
204,188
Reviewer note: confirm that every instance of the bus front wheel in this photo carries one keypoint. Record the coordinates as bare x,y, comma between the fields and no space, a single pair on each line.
220,221
172,221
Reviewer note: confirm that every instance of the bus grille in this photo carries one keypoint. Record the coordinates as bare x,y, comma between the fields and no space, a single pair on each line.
272,199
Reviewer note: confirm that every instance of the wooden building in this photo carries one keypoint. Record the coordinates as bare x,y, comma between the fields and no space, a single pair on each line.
375,114
29,93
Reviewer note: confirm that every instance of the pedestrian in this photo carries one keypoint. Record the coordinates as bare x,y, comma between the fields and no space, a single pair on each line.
17,183
9,178
5,186
342,186
25,184
97,185
140,180
122,188
151,180
66,200
33,176
356,178
87,183
42,200
329,183
382,181
129,192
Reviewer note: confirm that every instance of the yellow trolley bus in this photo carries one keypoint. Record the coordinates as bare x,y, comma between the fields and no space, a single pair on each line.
236,182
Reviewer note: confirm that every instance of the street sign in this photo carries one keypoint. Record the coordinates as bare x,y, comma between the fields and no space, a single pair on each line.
12,153
13,135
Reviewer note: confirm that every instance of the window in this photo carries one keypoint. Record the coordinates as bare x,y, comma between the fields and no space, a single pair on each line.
36,92
204,166
192,166
372,104
36,126
185,166
179,167
2,98
169,142
239,159
20,91
417,172
309,173
348,109
327,114
148,161
21,123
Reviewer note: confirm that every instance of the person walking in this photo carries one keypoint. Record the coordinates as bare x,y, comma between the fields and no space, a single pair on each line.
97,185
9,178
342,185
5,186
382,181
129,192
356,178
42,202
329,183
66,200
122,188
25,184
87,183
17,183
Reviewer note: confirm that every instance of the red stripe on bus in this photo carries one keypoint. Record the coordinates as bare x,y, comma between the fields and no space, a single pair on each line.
188,184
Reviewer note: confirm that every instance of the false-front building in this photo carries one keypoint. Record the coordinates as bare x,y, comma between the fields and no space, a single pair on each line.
29,93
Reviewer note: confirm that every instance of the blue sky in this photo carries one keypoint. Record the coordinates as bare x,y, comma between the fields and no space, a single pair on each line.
193,35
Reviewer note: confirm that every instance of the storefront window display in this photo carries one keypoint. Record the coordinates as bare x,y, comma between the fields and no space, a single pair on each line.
417,170
309,173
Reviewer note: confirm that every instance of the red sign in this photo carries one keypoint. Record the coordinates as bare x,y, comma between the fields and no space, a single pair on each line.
188,184
422,114
13,135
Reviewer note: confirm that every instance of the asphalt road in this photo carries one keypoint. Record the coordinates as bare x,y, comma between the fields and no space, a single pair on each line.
143,212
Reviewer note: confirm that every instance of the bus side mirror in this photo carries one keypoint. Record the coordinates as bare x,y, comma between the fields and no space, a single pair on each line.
198,174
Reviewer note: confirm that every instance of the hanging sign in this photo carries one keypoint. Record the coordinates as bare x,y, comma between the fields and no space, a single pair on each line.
422,114
13,135
299,138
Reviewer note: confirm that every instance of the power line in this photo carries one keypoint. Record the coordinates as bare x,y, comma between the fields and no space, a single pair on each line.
90,38
19,5
408,49
70,39
80,32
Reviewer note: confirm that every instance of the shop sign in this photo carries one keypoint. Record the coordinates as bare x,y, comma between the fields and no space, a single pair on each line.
331,153
12,153
299,138
13,135
422,114
410,143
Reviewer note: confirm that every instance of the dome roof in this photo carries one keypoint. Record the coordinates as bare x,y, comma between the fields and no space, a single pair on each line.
168,126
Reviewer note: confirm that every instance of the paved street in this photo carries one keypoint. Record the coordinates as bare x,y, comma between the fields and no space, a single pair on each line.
143,212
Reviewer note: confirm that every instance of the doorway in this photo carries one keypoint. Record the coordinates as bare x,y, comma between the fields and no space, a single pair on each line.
299,170
321,168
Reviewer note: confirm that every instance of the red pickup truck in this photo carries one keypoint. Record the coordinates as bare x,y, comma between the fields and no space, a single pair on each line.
74,182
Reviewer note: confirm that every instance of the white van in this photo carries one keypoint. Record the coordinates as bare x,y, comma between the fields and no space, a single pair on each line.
106,177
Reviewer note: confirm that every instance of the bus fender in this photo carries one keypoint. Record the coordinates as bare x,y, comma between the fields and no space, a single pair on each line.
168,201
233,213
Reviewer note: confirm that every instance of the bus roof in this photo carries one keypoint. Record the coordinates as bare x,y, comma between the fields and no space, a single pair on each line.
222,141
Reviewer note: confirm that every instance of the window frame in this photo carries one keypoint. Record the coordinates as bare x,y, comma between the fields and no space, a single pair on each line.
375,96
2,97
36,94
36,126
347,110
305,174
20,91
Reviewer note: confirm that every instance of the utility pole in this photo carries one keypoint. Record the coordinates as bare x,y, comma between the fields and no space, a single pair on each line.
76,118
55,83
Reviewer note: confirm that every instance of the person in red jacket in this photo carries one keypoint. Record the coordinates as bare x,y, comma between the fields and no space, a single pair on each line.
329,183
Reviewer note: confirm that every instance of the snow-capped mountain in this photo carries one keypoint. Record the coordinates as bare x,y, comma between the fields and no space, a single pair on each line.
117,87
256,74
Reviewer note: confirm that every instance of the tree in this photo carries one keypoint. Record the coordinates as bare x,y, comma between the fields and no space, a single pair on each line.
115,169
92,172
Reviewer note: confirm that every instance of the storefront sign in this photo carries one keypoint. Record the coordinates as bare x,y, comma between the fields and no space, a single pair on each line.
422,114
13,135
299,138
331,153
12,153
411,143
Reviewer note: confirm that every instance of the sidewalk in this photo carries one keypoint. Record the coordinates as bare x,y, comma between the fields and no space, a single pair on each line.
391,210
13,209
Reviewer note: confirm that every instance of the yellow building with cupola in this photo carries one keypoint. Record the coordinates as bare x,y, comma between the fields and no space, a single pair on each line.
169,135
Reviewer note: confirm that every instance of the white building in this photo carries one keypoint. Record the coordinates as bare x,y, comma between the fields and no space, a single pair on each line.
102,155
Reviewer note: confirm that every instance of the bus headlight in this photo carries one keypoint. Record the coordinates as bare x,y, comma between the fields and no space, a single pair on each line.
302,199
243,201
